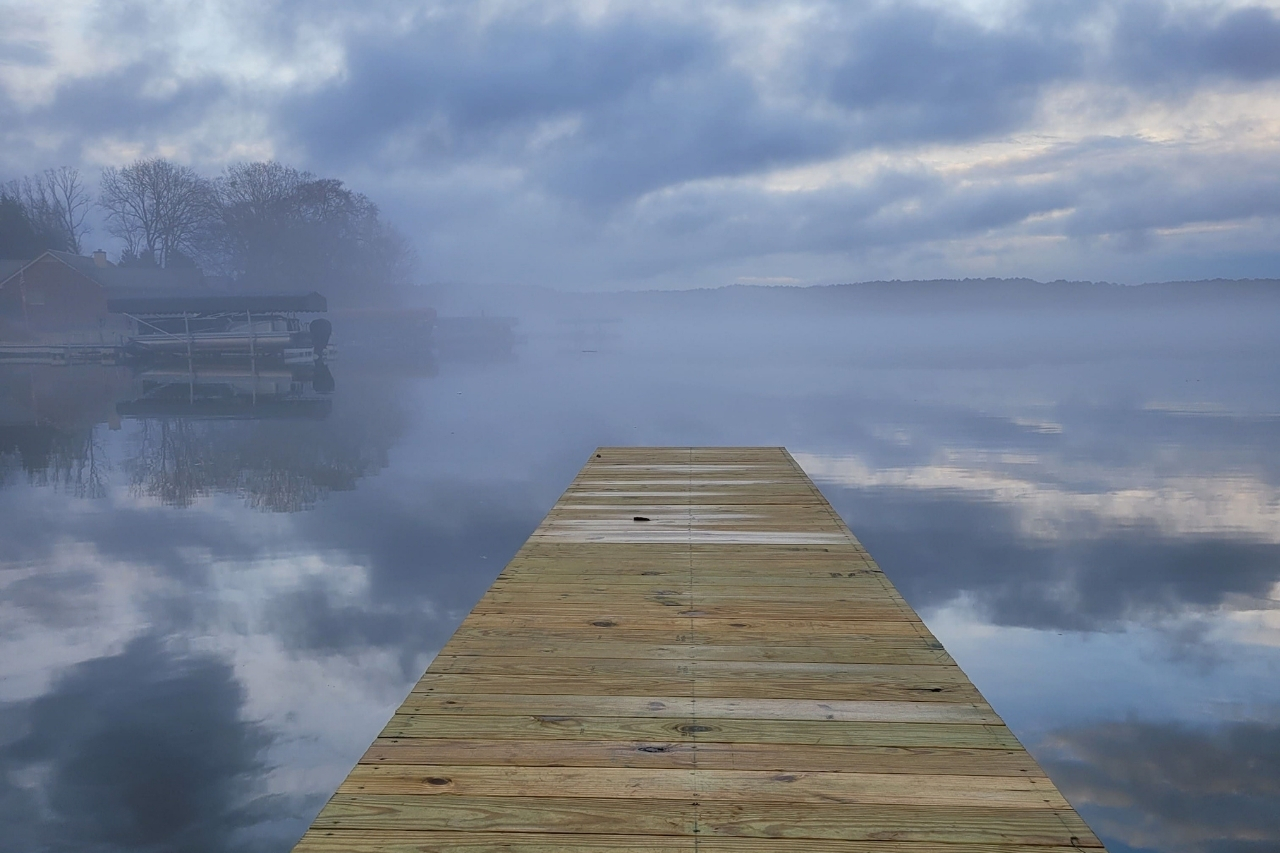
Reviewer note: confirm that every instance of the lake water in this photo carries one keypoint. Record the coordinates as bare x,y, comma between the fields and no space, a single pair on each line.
205,620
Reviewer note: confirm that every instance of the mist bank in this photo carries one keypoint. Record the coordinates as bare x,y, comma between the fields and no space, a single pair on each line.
933,295
936,324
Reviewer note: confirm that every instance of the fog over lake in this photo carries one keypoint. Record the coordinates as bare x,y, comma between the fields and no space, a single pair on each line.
206,620
876,233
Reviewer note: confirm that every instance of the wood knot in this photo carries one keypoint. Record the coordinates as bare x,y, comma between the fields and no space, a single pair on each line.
640,518
438,780
604,623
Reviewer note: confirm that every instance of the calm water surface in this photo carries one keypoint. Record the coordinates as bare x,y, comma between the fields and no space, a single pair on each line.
204,621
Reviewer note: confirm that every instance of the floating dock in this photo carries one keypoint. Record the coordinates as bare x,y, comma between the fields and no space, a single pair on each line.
693,653
61,353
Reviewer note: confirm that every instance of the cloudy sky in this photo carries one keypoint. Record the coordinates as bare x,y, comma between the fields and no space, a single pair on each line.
610,143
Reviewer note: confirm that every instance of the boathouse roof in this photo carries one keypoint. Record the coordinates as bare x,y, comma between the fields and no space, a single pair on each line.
158,291
112,278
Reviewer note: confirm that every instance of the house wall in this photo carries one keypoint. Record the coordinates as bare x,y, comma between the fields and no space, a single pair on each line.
51,296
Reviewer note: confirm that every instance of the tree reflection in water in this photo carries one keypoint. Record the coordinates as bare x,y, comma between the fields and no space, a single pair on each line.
50,419
73,462
275,465
279,449
169,463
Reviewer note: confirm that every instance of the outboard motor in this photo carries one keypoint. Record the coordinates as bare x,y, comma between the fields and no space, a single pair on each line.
321,330
322,379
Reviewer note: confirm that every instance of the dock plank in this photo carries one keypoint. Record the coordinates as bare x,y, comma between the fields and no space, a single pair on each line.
470,842
623,678
702,730
732,672
710,756
657,667
906,824
739,786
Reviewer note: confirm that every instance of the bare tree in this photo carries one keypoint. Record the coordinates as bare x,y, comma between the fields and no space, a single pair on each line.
18,236
70,200
260,188
257,204
158,208
280,226
54,204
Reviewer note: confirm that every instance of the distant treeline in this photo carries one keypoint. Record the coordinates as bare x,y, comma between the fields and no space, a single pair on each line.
261,225
950,295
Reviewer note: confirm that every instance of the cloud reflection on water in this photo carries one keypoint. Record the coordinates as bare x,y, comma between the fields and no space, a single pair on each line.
1053,501
1174,787
1093,536
145,749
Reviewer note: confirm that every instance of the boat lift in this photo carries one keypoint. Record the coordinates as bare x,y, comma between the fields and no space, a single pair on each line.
222,327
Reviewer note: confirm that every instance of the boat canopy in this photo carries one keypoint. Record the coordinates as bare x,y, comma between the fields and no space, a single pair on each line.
218,303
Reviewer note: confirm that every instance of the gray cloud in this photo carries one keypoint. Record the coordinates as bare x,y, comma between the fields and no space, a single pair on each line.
611,150
658,102
647,104
23,52
910,73
465,85
1161,46
122,101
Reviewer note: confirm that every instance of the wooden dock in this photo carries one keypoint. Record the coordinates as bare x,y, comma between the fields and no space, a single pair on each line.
60,353
693,653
